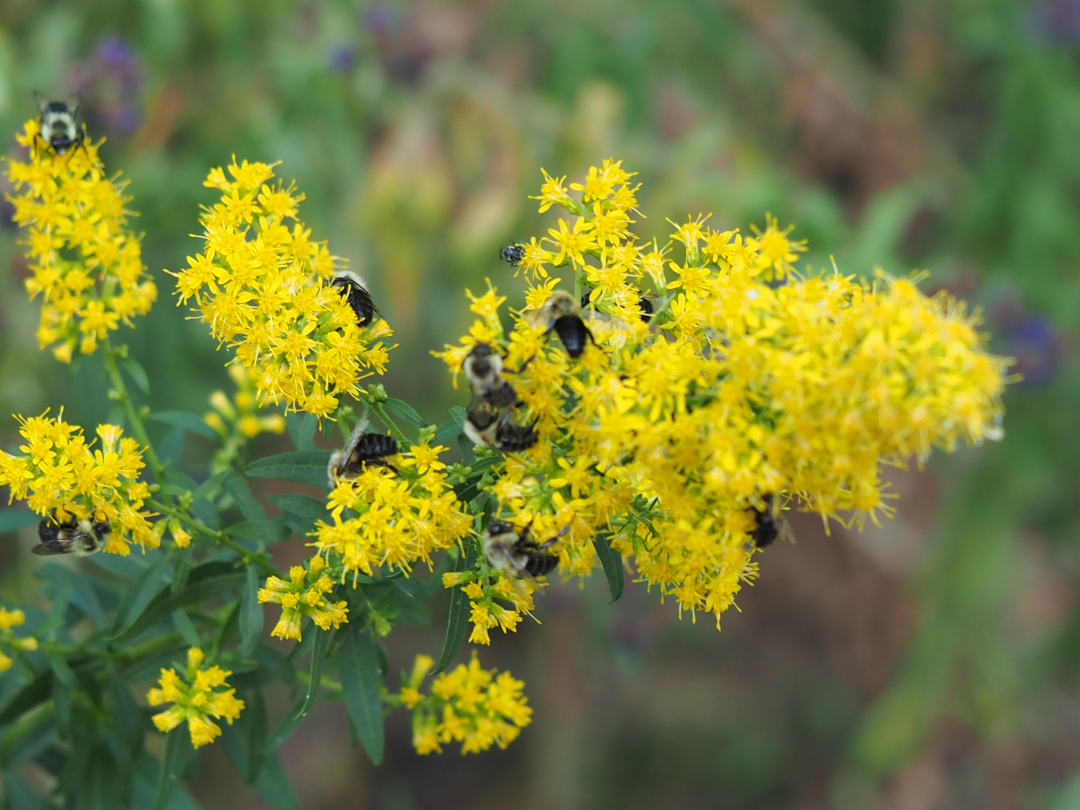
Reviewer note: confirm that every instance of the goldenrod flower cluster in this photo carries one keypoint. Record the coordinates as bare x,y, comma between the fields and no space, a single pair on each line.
62,476
198,696
393,517
751,380
470,705
262,285
242,414
8,639
85,262
304,595
241,418
495,601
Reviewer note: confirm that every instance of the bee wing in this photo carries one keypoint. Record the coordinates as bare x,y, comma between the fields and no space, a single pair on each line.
41,101
73,101
358,432
604,321
43,550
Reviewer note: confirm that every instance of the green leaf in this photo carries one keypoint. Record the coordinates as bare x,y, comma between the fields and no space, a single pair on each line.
61,698
304,507
613,565
181,569
63,671
251,614
186,629
458,414
288,724
186,421
207,580
13,519
302,430
245,739
211,485
170,448
138,374
468,455
83,595
267,532
35,692
138,596
274,785
446,432
304,467
458,624
248,503
361,682
406,411
147,774
21,797
178,750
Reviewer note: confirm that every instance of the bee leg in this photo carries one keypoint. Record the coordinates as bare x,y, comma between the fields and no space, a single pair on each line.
551,541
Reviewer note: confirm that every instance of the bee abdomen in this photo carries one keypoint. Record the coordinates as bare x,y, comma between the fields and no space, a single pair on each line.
766,528
537,565
573,333
515,438
374,445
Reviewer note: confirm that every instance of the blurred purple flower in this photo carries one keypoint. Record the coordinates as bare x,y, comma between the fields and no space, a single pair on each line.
1038,347
343,58
1056,20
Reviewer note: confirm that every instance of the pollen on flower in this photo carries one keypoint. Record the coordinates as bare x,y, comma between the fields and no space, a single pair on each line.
62,476
263,287
470,705
198,696
751,381
86,263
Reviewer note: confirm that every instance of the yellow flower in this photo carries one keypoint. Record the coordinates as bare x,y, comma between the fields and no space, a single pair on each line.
572,243
304,595
241,418
198,696
61,476
476,707
8,639
673,441
263,286
392,519
86,264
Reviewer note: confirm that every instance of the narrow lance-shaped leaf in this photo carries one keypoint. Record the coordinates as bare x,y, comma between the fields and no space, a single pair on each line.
458,624
362,684
251,614
303,467
613,565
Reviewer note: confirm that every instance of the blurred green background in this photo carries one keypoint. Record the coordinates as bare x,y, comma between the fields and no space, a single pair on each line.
931,663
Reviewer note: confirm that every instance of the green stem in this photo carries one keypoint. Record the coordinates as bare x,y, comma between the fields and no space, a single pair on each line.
385,418
137,427
258,558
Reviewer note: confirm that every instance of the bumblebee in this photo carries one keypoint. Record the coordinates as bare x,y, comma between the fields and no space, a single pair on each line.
358,296
362,450
486,425
562,313
513,551
483,368
513,254
58,128
769,523
78,537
